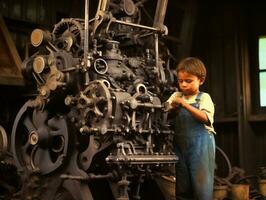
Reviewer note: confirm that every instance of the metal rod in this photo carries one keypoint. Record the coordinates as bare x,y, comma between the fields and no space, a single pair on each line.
86,42
137,25
102,5
88,178
157,52
160,13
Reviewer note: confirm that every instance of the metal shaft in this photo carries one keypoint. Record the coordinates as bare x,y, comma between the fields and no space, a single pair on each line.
160,13
86,42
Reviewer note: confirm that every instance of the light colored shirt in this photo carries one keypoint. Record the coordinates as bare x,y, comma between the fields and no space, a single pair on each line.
205,104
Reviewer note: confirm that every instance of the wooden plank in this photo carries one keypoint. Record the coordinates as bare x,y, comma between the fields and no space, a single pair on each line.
187,29
10,62
230,76
246,134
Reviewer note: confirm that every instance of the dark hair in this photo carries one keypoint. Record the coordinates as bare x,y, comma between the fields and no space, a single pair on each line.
193,66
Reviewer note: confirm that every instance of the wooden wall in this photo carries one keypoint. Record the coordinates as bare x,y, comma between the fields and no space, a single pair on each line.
224,40
254,23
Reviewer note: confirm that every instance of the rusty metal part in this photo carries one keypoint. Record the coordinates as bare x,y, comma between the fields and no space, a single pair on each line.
39,37
126,158
39,64
240,191
86,36
96,106
69,35
160,13
102,5
155,29
129,7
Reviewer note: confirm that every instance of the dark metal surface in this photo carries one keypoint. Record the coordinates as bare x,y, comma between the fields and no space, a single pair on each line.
40,141
100,118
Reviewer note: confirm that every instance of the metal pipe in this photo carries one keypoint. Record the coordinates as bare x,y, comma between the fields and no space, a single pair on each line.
86,34
156,41
160,13
137,25
102,5
88,178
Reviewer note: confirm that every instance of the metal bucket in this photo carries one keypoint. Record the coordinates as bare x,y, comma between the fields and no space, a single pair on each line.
240,192
220,192
262,187
167,186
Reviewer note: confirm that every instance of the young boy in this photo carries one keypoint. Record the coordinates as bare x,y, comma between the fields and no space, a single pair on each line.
194,140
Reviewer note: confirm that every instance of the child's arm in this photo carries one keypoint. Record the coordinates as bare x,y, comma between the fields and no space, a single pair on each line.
198,114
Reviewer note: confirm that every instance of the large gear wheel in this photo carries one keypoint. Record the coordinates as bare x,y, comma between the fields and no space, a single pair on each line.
69,35
39,141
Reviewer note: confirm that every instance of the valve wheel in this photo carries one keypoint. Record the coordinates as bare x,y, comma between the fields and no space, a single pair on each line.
39,141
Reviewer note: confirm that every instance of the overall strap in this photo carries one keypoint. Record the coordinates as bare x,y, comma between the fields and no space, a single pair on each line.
198,97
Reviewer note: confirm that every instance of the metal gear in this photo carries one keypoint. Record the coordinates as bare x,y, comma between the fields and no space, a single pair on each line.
39,141
69,35
96,103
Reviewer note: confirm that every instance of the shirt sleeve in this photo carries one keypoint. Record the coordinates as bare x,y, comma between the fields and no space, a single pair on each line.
206,104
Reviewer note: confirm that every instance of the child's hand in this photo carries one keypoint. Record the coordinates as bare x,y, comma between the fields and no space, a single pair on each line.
166,106
177,101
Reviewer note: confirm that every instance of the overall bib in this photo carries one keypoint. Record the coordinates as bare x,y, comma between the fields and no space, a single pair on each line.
195,147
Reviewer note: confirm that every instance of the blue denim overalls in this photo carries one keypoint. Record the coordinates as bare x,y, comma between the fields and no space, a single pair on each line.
195,147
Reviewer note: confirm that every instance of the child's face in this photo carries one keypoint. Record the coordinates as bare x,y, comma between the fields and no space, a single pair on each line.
188,83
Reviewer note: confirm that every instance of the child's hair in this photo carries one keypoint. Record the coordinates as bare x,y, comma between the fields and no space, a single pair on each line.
193,66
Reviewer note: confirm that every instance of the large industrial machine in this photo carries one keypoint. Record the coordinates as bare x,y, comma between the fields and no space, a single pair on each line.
98,110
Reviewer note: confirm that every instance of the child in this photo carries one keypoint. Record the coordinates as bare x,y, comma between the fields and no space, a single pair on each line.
194,140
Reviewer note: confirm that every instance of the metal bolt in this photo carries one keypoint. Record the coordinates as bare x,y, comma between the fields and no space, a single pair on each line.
33,139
